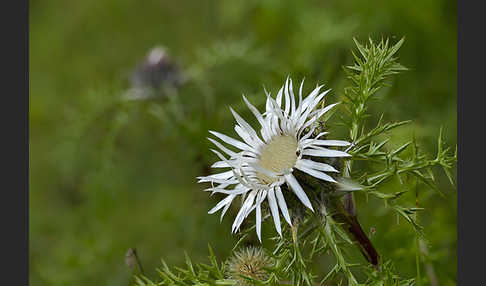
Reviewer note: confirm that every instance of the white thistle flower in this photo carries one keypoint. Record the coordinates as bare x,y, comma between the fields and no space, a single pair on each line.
263,163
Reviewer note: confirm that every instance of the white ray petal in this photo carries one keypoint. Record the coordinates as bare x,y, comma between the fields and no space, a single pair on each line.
276,115
228,192
317,114
246,127
329,107
307,142
222,148
298,111
314,142
262,195
313,102
223,212
306,113
331,143
238,144
266,134
299,192
315,165
300,92
310,98
292,98
256,143
243,198
267,103
282,204
317,100
324,152
254,110
279,97
258,216
243,211
218,181
265,128
219,187
220,164
219,177
222,176
222,203
231,163
302,120
321,134
287,97
274,126
317,174
257,201
309,134
274,210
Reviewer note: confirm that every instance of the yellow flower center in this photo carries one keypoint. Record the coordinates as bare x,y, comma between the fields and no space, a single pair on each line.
277,156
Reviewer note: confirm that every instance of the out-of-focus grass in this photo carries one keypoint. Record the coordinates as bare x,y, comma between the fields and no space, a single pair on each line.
106,176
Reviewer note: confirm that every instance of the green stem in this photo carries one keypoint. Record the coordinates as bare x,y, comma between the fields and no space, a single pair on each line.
417,242
417,261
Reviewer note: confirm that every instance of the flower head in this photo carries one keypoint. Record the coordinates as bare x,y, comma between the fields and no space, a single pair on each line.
265,160
250,262
158,75
156,70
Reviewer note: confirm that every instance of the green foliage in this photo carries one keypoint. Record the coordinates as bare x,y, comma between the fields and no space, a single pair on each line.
199,274
375,63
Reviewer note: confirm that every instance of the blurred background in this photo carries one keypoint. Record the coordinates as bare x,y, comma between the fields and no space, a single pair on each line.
117,132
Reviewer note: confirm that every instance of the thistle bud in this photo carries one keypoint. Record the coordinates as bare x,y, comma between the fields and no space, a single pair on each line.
249,262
